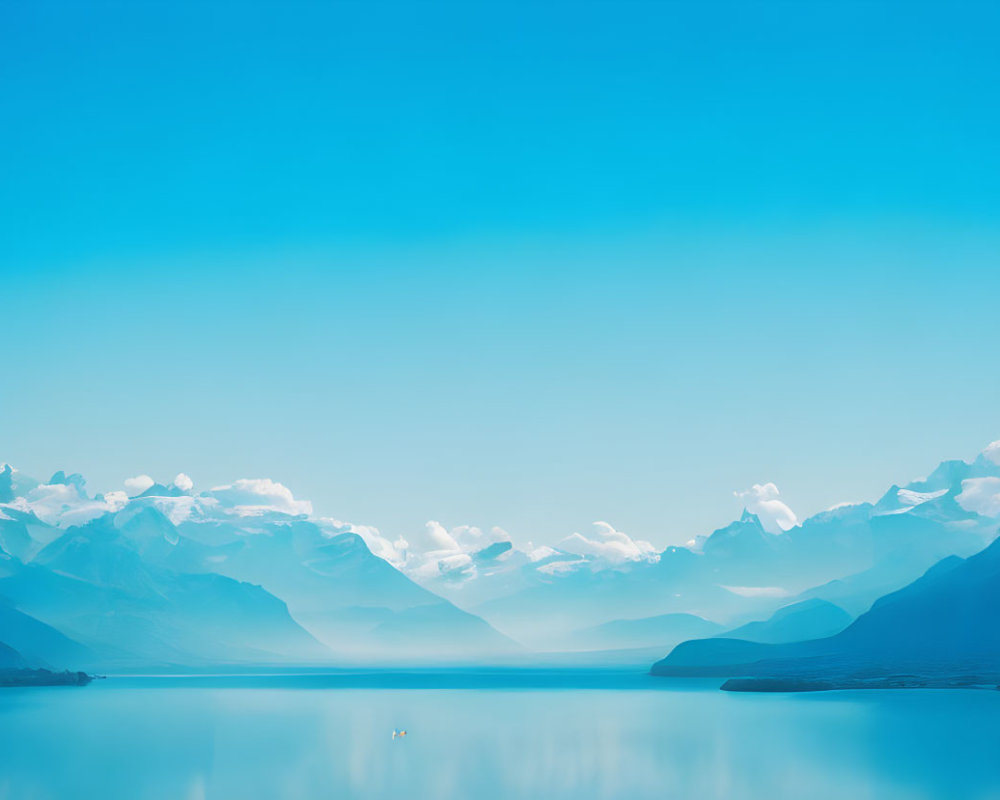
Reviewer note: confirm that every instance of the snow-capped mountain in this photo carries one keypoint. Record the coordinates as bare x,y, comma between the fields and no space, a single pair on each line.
940,624
848,556
245,572
239,574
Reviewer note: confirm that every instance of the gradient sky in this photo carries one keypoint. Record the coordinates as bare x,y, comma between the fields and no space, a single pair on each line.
516,264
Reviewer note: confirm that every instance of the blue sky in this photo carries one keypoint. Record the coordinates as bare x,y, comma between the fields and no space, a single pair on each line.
514,264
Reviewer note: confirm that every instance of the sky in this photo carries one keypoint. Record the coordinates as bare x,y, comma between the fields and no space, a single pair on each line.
519,264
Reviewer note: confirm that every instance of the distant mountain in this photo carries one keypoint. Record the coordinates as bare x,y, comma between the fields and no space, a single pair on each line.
663,632
360,606
93,586
10,658
554,608
848,556
743,572
939,624
40,645
175,579
13,483
245,573
808,619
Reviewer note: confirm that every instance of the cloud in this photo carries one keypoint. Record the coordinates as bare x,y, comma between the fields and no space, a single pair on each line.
250,497
183,482
609,544
138,484
992,452
66,504
471,539
433,538
981,495
436,551
762,500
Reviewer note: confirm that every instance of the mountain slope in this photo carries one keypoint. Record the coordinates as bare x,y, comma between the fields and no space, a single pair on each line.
808,619
40,644
742,571
10,658
92,585
662,631
351,600
939,624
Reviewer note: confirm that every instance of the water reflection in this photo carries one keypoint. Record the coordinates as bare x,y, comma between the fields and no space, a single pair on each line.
286,738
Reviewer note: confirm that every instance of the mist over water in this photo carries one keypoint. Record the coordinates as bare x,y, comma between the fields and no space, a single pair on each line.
498,736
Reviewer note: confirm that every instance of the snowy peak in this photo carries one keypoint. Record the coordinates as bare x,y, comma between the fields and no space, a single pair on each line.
745,538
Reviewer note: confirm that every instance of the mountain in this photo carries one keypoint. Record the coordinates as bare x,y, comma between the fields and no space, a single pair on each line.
558,605
10,658
357,604
808,619
663,632
849,556
246,573
742,572
235,575
23,535
93,586
13,483
39,644
939,625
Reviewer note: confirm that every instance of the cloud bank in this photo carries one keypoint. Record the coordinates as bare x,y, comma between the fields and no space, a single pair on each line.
981,495
992,452
609,544
249,497
138,484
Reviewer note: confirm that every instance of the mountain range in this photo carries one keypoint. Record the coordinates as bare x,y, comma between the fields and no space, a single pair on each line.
941,624
245,574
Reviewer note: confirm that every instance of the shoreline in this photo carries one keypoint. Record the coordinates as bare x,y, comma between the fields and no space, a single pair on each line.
13,678
792,685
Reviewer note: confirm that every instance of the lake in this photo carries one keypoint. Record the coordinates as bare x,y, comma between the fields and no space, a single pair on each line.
490,735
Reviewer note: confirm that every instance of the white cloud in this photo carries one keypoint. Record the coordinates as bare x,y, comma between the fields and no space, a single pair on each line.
435,551
992,452
138,484
609,544
433,538
471,539
762,500
981,495
183,482
255,496
66,504
116,499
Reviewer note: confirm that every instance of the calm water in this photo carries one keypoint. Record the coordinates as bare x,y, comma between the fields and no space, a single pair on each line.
516,736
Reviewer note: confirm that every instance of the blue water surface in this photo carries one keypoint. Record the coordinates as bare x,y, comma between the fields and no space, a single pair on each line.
482,734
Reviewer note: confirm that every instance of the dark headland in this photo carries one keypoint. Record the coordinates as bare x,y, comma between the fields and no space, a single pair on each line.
42,677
